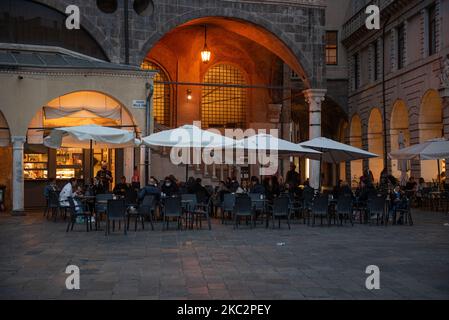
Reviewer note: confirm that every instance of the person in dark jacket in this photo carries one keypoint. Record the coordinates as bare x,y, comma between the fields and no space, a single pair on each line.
256,186
169,187
150,190
293,178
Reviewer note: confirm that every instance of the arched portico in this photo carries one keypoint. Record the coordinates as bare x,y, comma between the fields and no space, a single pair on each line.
26,91
375,142
399,125
355,140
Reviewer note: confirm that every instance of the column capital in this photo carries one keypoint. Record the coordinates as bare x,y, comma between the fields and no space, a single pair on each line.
18,141
315,95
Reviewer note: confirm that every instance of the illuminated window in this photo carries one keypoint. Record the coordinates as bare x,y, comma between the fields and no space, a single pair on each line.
331,47
161,95
224,106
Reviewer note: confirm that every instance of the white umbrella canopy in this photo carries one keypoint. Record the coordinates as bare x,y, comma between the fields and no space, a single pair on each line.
436,149
336,152
88,136
188,136
267,142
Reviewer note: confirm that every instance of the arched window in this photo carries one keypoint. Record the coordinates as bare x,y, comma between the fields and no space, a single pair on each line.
224,106
28,22
161,95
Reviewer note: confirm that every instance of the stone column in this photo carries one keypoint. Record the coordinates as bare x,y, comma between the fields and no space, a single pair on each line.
143,150
18,205
314,98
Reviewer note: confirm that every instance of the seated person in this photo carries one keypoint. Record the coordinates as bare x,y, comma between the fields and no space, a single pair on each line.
151,189
397,202
256,186
169,188
69,191
50,187
122,187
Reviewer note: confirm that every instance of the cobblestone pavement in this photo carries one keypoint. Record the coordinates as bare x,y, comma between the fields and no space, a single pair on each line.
312,263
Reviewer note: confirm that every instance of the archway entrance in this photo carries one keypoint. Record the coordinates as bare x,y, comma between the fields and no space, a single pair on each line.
375,143
355,139
73,109
431,127
399,126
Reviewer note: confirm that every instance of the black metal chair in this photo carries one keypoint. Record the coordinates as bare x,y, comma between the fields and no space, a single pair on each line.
101,206
345,210
307,203
172,209
227,206
53,205
76,211
405,212
376,210
243,208
131,197
258,204
281,209
116,211
320,208
145,211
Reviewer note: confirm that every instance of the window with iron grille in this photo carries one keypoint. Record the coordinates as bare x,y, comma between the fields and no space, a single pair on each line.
331,47
224,106
432,37
401,46
161,95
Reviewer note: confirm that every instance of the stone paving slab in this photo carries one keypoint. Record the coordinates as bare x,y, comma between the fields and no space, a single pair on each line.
315,263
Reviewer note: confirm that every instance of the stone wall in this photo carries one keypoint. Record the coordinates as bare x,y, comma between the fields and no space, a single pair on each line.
298,24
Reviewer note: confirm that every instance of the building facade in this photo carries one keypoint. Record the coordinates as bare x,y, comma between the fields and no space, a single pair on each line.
255,49
398,81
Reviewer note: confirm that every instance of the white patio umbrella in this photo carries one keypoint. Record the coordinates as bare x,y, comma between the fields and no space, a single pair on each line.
267,142
435,149
90,137
336,152
189,136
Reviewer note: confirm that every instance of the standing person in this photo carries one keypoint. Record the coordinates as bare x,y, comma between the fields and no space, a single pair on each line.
293,178
105,177
135,180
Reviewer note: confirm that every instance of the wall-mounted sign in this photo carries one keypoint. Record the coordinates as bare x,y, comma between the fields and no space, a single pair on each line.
139,104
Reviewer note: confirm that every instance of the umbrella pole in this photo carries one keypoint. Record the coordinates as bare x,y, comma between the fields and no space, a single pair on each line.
439,174
91,159
187,172
319,179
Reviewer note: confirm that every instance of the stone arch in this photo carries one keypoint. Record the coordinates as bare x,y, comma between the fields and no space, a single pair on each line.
430,127
355,140
271,36
92,29
375,142
399,122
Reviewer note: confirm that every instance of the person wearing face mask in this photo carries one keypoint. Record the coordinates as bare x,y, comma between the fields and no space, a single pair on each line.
151,189
105,177
169,188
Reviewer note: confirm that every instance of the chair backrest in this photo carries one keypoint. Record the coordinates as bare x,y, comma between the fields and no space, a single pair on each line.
255,199
377,205
321,205
104,197
53,199
281,205
344,204
131,196
147,205
243,206
172,207
229,201
192,201
116,209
